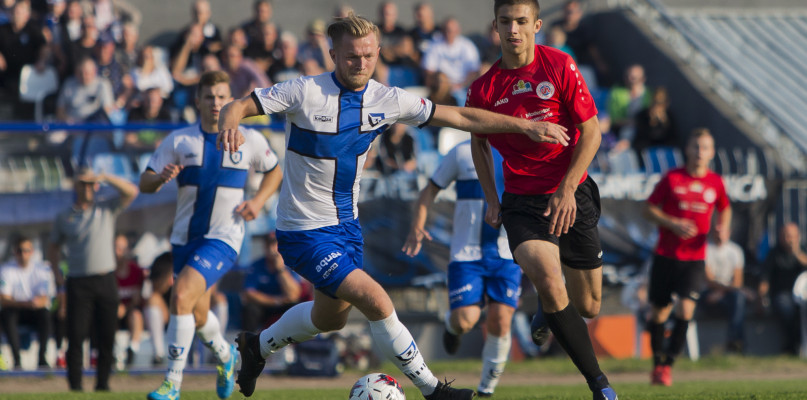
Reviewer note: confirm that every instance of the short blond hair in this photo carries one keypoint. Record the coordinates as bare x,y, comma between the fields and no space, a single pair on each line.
352,25
697,133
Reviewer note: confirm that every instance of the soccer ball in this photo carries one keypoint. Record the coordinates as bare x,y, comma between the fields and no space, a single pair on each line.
377,386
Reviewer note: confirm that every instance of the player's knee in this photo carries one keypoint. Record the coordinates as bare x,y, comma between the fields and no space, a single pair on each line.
590,310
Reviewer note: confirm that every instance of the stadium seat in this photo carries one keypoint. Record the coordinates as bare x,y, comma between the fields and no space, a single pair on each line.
114,163
658,160
623,162
403,76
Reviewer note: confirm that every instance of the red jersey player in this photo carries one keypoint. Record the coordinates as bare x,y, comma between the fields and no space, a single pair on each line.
550,207
682,204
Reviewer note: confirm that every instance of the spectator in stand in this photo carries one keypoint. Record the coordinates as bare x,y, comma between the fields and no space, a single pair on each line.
316,46
244,75
71,22
150,72
84,47
580,37
784,264
440,92
211,36
262,15
6,9
20,41
161,279
490,49
625,102
130,279
655,126
111,14
557,39
110,69
725,264
342,11
39,77
391,32
287,67
396,152
26,290
152,110
263,53
454,55
52,22
129,50
236,37
87,230
425,30
270,288
85,97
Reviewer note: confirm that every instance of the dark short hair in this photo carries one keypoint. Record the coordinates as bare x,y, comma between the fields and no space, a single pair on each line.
162,266
532,3
211,78
17,239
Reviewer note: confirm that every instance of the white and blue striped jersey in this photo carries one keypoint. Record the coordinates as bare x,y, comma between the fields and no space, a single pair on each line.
211,183
328,134
472,238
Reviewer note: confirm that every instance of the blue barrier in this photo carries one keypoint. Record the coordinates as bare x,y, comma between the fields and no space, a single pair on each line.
21,127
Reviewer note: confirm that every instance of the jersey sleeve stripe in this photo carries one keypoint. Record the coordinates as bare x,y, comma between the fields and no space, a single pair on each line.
258,103
431,114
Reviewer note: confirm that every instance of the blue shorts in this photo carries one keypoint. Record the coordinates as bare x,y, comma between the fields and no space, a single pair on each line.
470,281
211,257
323,256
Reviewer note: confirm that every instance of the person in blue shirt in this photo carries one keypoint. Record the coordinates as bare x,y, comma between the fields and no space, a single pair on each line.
269,288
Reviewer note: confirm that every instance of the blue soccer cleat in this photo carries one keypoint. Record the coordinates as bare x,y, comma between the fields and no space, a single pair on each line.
539,332
225,375
166,391
606,393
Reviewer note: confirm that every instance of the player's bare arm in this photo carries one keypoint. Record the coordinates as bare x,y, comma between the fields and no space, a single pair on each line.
418,231
229,138
682,227
482,121
250,209
152,182
562,207
483,163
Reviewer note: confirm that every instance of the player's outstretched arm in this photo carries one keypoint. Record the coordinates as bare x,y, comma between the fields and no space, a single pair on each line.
483,163
482,121
418,231
229,138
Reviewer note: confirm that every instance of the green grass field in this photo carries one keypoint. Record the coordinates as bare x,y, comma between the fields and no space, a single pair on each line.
719,378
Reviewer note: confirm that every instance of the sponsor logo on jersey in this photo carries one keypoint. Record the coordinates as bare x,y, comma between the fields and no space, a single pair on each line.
323,118
522,87
696,187
502,101
236,156
709,195
375,118
545,90
190,155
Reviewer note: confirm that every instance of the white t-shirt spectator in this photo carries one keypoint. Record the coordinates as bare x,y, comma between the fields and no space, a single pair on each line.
457,60
24,284
723,260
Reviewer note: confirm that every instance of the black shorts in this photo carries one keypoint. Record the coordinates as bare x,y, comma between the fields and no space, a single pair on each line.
668,276
523,219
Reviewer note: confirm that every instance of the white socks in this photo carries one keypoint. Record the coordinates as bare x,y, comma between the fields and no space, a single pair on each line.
399,347
222,312
154,322
293,327
494,355
180,337
211,336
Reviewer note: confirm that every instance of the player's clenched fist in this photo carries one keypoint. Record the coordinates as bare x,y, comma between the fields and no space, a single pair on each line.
170,172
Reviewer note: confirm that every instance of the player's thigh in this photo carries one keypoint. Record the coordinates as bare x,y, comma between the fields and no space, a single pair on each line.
585,289
466,286
363,292
202,307
540,261
499,318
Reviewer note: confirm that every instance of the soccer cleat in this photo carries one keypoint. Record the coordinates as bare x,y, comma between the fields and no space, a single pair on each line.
251,362
451,342
444,391
655,376
666,375
166,391
484,394
130,356
225,375
540,332
606,393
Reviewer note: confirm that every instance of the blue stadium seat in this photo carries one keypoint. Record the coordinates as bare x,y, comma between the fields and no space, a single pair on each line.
114,163
658,160
403,76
